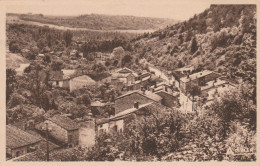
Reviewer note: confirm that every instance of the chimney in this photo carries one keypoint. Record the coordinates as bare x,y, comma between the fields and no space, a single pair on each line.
136,105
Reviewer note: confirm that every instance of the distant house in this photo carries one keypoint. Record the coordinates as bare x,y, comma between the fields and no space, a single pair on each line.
81,81
19,142
127,100
64,129
99,56
199,79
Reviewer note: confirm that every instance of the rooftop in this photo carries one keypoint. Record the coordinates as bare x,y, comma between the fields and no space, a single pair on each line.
124,70
84,78
16,137
196,76
147,108
146,93
129,111
175,94
64,122
102,121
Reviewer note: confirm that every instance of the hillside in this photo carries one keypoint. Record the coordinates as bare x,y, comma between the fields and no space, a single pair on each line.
224,42
99,22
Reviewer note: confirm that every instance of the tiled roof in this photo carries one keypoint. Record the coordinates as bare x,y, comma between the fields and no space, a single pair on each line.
97,104
64,122
196,76
147,108
172,94
68,73
128,111
84,78
16,137
124,70
147,94
102,121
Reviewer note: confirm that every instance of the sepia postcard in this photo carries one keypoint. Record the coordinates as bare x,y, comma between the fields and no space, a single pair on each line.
127,81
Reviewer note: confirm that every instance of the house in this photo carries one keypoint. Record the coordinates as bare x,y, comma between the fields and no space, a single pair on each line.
97,106
169,99
161,86
64,129
199,79
81,81
19,142
99,56
67,75
127,100
188,104
103,125
139,111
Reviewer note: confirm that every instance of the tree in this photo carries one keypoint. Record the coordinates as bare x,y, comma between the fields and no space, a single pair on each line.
193,90
67,36
56,65
10,82
193,47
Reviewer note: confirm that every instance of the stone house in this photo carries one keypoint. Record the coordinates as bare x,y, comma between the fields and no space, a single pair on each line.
119,122
19,142
199,79
127,100
64,129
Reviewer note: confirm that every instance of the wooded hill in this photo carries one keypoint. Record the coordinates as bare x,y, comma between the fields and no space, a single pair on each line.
222,38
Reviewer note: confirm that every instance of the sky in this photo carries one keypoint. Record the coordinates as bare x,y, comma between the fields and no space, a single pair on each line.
175,9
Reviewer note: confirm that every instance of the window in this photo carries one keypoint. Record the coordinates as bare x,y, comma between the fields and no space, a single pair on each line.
57,82
17,153
115,127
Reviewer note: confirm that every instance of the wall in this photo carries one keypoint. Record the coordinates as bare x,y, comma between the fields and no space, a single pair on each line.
75,137
168,100
58,132
66,84
60,83
128,101
103,127
186,104
22,150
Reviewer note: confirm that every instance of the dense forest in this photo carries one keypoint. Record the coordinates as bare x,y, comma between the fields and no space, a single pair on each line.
222,38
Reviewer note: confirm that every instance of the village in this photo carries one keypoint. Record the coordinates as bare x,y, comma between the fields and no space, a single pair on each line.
188,93
100,87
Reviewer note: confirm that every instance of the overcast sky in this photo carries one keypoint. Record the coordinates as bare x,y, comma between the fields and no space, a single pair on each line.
176,9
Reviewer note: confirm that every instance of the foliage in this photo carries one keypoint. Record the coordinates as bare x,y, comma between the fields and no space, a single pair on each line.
67,36
10,82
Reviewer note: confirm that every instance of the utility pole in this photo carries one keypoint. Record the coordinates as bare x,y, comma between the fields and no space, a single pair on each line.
47,142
